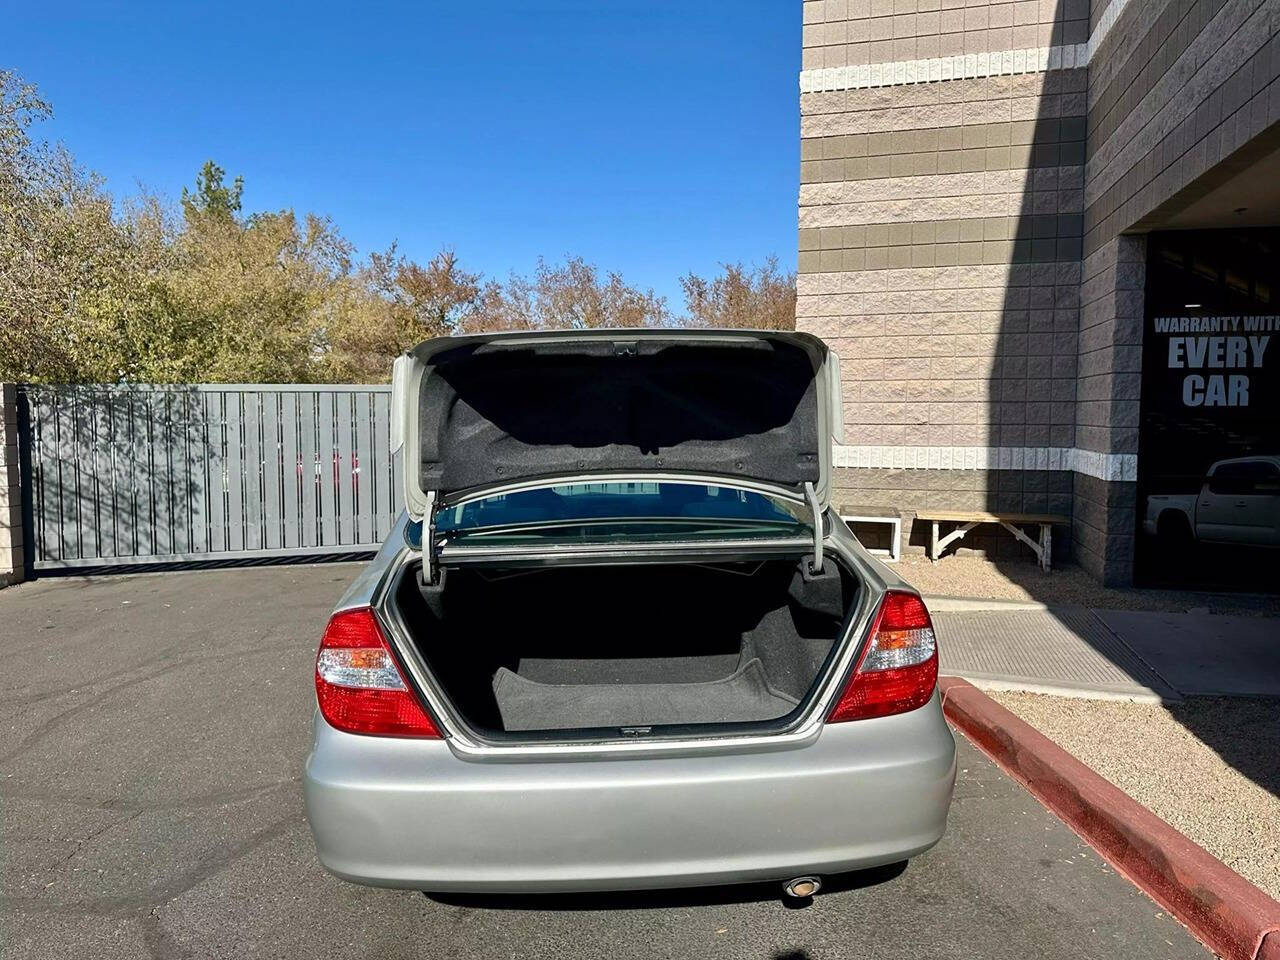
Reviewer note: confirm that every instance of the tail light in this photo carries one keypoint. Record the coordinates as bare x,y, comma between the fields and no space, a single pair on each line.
359,687
900,667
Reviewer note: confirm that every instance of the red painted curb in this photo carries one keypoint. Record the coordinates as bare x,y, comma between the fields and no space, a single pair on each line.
1222,909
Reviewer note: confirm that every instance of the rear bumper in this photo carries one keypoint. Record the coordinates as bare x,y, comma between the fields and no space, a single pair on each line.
406,813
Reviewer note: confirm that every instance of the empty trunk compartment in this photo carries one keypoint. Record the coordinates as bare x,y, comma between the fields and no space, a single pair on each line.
584,648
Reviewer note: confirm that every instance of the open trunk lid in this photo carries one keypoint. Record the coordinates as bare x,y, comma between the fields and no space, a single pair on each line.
490,410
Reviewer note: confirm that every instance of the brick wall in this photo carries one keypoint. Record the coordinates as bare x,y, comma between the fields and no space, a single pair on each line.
1174,92
940,236
1108,393
963,240
1177,90
840,33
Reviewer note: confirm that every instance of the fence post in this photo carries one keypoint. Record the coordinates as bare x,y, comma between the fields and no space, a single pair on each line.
12,561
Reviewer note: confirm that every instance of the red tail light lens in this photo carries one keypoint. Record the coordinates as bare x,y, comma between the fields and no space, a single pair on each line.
359,686
900,666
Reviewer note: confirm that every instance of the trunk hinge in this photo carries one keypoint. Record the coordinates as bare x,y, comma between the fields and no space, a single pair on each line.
816,512
430,572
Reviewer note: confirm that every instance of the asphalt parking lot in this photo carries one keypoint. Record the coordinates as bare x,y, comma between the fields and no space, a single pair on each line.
152,734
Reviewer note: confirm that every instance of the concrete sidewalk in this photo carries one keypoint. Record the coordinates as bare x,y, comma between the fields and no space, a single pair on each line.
1144,656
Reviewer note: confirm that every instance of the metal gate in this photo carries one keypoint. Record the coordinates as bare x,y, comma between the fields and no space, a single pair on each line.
149,474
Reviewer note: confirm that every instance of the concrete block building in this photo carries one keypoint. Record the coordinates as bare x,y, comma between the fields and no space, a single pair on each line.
984,188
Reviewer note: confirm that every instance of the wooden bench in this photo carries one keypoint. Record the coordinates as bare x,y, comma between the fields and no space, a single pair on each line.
890,516
968,519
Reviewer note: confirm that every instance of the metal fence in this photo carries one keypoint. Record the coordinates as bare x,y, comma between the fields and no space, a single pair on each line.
141,474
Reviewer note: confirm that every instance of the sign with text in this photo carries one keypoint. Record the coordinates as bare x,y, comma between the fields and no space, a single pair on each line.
1208,497
1216,359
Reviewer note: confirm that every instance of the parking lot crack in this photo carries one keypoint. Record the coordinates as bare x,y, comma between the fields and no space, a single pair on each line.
59,720
125,804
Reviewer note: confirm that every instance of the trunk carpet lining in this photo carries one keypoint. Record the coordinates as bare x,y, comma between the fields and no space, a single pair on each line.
635,645
743,696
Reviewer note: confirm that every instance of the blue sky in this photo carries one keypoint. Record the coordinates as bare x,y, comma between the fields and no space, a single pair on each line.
650,136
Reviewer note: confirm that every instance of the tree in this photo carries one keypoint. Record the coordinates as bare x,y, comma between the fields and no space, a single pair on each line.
69,270
210,198
437,296
500,306
391,304
569,295
396,303
246,302
95,291
757,297
572,295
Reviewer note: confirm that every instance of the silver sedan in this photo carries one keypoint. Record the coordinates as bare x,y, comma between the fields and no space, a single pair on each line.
620,638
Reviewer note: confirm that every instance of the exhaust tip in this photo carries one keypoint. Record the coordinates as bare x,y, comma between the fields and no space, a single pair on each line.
801,888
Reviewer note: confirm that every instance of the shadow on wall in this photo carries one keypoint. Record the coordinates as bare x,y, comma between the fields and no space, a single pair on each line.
112,472
1032,392
171,475
1058,380
1016,491
1243,730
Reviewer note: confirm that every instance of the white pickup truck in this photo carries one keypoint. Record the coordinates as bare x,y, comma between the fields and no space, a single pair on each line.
1238,503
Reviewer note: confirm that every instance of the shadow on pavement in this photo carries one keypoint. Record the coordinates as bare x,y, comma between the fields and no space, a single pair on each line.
1244,732
217,563
1068,583
667,899
1242,728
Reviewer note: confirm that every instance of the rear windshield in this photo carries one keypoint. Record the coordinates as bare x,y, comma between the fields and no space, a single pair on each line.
594,512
